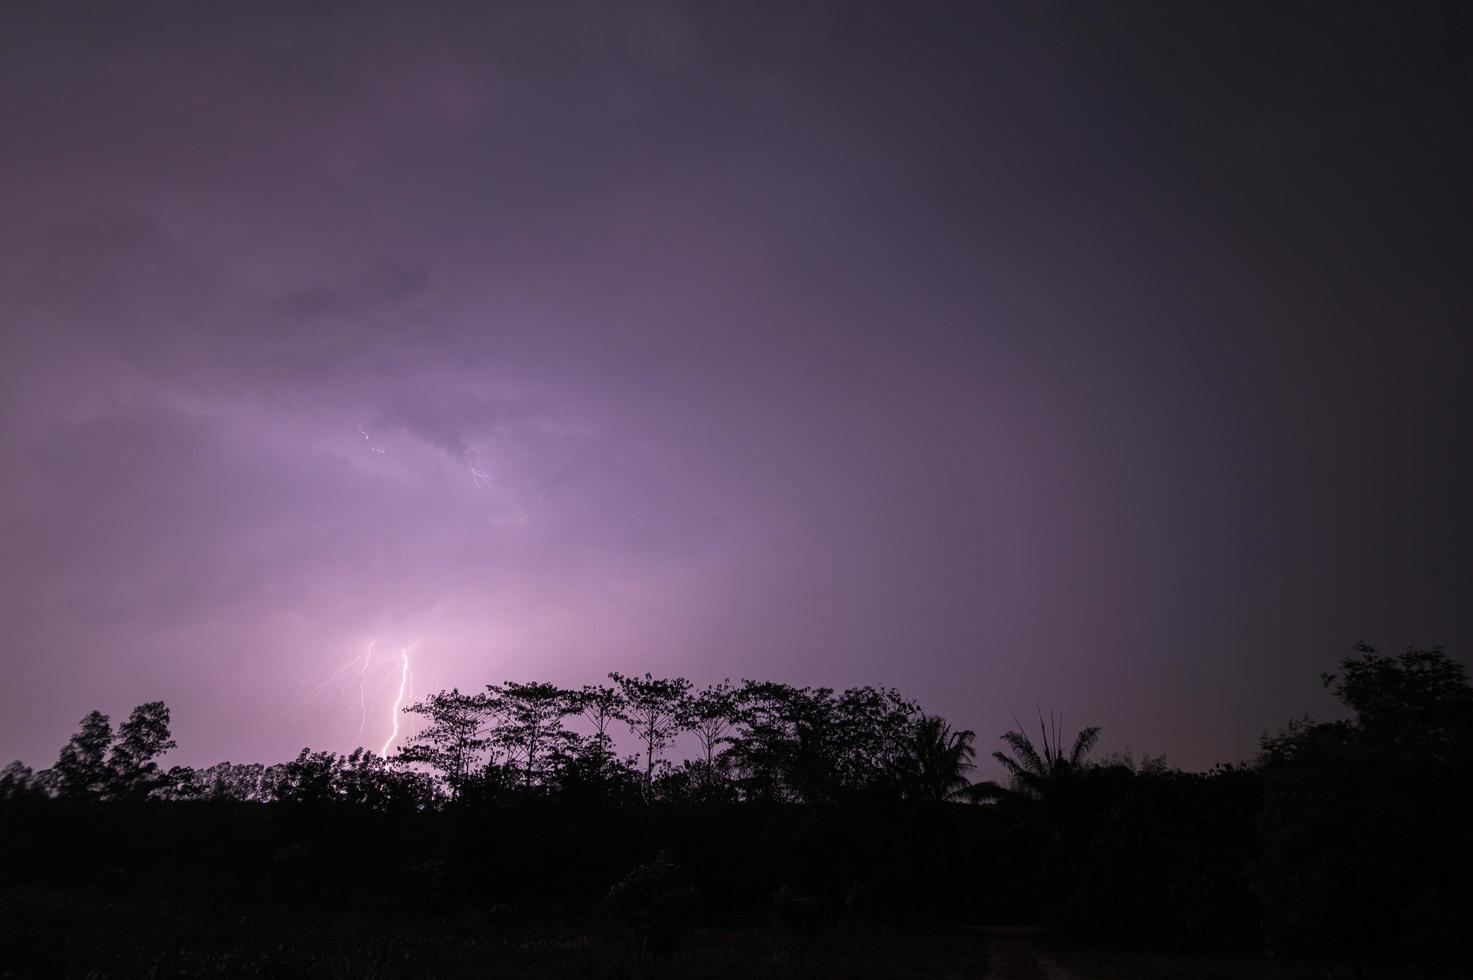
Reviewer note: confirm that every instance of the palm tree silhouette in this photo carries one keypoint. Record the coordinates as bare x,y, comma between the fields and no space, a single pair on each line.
936,765
1044,785
941,760
1042,777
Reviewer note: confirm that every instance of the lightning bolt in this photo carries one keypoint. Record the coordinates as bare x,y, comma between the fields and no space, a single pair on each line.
362,684
343,676
381,448
406,679
360,661
480,478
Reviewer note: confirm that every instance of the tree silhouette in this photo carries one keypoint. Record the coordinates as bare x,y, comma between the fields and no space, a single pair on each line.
454,739
785,749
940,760
710,716
1345,840
16,780
309,778
602,706
1044,787
363,778
808,744
529,725
133,769
1422,695
873,731
81,770
653,714
1042,776
1366,846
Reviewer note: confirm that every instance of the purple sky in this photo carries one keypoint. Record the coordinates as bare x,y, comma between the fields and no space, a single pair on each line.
1111,359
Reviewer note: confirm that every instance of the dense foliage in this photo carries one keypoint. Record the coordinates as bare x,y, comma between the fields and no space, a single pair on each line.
812,807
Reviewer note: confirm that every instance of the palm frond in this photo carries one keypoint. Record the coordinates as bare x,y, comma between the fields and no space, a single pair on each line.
1082,744
1009,764
1025,752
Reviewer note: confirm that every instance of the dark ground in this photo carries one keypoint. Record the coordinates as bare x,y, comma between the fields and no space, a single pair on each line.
95,935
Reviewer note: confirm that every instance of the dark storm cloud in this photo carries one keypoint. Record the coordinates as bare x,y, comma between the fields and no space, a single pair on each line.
386,285
1107,358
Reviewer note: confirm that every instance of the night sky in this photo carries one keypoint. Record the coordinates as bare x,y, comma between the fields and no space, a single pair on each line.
1109,358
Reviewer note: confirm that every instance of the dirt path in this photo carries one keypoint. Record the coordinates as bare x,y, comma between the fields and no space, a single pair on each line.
1011,955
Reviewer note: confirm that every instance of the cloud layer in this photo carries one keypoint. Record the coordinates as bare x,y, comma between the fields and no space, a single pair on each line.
1009,357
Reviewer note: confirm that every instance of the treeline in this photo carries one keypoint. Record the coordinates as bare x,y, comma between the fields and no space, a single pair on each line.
1348,840
756,742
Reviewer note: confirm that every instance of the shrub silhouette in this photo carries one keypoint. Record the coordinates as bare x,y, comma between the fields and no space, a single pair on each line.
655,903
1367,846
